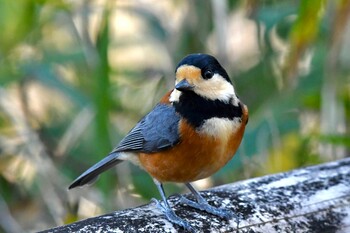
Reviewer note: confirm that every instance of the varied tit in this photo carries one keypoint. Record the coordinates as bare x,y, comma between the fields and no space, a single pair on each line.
190,134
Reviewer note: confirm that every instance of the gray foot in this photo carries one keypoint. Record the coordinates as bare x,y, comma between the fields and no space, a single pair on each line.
204,206
172,217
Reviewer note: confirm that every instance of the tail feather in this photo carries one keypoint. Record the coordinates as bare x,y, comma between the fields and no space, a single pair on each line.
90,175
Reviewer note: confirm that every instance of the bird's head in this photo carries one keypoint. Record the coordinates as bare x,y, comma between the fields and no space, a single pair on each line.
203,75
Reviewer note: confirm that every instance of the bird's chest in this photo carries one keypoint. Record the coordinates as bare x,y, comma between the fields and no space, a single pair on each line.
218,142
219,130
200,153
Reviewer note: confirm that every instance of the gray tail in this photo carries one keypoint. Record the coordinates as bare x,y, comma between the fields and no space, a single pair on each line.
91,174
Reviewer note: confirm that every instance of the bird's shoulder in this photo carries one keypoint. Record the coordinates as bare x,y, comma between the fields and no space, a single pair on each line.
156,131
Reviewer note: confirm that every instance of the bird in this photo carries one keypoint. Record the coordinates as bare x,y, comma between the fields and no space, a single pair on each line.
194,130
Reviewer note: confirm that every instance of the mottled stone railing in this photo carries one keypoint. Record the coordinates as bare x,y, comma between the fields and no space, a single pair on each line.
312,199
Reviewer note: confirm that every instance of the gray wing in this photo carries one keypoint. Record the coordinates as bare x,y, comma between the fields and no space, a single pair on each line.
158,130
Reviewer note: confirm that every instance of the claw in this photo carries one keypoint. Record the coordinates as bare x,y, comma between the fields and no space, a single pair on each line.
172,217
204,206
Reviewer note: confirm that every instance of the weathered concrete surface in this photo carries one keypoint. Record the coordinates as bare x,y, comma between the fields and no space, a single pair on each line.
314,199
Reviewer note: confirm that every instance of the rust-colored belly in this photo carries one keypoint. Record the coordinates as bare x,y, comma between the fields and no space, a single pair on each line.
197,156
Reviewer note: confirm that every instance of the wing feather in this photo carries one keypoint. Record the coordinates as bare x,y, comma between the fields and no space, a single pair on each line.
158,130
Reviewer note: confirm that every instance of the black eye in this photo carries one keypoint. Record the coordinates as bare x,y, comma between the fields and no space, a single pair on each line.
208,74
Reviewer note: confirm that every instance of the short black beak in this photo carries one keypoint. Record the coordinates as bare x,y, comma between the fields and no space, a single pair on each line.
183,85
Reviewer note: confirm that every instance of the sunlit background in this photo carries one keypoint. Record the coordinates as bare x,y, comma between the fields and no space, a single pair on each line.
77,75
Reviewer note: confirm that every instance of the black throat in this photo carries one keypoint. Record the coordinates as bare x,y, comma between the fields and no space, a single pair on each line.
196,109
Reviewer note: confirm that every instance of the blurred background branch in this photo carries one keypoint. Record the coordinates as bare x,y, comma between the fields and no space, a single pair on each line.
75,76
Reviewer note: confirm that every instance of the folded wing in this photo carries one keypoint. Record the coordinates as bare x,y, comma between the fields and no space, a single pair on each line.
157,131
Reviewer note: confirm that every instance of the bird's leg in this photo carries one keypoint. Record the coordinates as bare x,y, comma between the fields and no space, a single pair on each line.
203,205
169,213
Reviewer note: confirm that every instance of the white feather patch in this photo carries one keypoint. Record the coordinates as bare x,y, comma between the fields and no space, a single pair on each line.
175,96
221,128
130,156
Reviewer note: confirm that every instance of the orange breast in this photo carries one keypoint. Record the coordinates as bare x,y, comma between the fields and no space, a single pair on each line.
197,156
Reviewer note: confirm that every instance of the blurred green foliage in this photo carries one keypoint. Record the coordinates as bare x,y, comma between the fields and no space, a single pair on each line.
76,76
